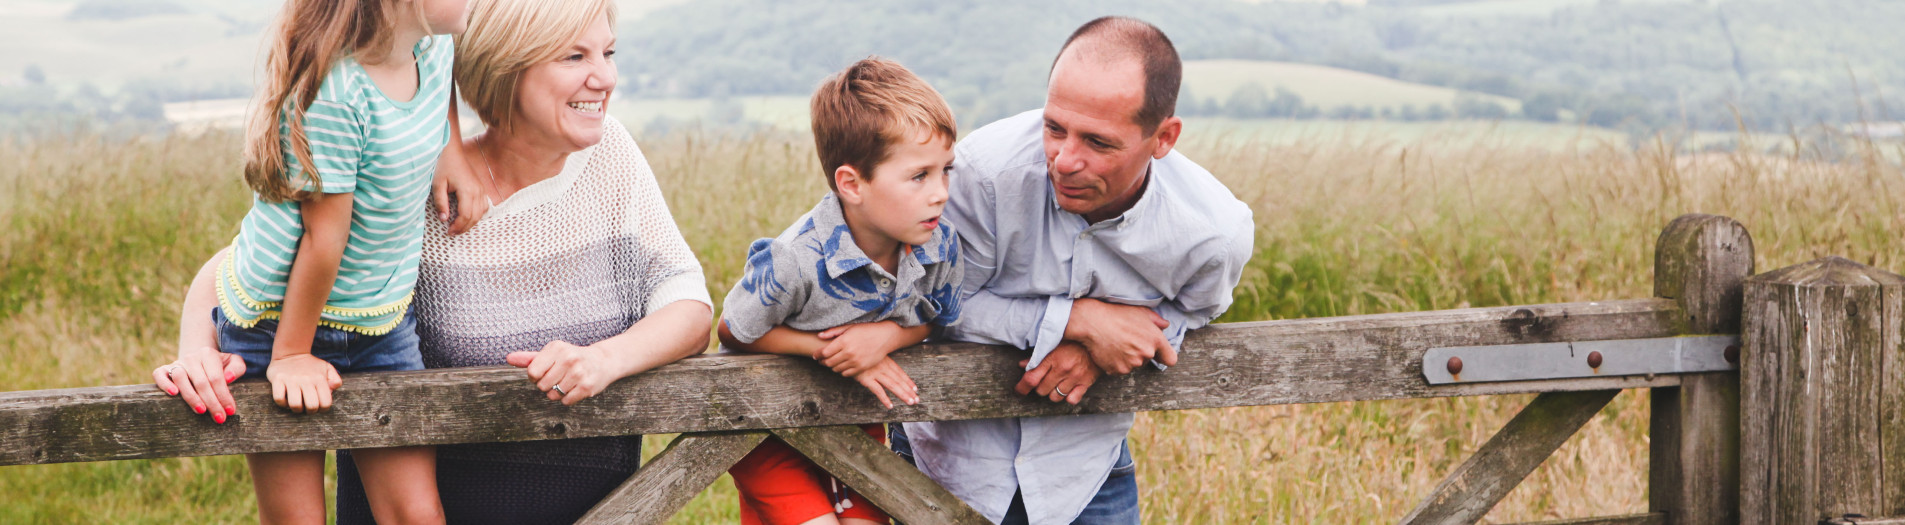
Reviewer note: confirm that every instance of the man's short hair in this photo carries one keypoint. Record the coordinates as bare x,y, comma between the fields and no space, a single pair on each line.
1126,37
861,111
505,37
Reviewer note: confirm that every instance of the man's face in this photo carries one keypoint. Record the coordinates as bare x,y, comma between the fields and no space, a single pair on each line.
1095,154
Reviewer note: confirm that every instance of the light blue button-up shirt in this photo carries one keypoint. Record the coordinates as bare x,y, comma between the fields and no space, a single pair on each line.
1180,251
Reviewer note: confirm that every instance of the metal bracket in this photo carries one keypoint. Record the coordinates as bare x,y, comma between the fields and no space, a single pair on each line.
1622,357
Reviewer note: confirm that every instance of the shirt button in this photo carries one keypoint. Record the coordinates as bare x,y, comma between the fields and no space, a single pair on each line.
1084,236
884,282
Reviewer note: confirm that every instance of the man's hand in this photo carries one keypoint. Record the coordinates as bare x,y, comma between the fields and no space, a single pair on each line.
855,348
1064,375
886,375
302,383
1119,337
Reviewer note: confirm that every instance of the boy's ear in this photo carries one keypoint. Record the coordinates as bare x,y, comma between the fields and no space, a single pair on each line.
846,182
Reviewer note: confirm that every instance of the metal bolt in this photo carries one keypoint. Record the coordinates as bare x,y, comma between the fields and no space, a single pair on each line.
1455,366
1732,354
383,419
1594,359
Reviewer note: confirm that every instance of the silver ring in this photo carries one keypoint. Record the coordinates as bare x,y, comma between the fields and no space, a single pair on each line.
1061,393
174,368
558,389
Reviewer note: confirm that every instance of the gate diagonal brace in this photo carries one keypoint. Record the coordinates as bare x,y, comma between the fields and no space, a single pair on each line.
1621,357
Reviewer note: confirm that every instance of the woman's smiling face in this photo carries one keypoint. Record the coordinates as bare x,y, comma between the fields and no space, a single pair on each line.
562,101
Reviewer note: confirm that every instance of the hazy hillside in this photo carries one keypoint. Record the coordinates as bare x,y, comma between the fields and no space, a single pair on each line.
1634,64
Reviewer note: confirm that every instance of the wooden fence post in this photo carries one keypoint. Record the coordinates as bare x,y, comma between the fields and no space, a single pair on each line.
1701,262
1823,394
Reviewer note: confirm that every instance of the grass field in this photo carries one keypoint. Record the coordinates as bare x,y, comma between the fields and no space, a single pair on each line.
101,238
1324,86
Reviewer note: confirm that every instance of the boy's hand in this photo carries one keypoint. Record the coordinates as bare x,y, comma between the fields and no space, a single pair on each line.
1063,376
302,383
854,348
454,175
886,375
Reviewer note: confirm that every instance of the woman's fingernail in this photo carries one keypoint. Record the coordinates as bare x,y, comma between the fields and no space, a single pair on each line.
172,391
230,376
218,418
200,409
231,411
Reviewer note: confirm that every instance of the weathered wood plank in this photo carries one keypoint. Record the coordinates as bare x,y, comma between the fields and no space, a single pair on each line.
1520,446
1815,424
666,483
877,473
1238,364
1649,518
1891,325
1701,262
1863,521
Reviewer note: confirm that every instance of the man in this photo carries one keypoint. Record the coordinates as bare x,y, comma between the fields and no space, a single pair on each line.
1095,246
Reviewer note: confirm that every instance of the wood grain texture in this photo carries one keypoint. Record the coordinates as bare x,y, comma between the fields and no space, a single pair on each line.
1649,518
1817,432
1701,262
1236,364
672,478
883,477
1500,464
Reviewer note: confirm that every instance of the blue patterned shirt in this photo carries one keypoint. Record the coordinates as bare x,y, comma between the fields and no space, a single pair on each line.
813,277
1179,250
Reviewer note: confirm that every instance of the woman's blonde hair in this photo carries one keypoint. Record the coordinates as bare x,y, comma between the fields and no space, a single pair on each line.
309,37
506,37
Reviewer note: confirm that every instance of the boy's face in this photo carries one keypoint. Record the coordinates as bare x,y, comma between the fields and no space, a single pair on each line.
907,192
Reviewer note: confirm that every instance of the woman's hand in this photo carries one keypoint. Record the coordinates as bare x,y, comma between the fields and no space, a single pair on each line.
302,383
568,373
200,377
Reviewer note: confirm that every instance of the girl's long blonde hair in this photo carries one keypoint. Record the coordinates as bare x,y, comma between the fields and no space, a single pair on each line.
307,40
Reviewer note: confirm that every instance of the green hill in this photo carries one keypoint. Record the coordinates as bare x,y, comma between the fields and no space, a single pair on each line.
1324,86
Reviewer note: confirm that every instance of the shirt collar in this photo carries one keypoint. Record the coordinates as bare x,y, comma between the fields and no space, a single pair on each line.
828,224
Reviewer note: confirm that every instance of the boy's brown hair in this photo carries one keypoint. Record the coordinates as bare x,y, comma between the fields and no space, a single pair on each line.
859,112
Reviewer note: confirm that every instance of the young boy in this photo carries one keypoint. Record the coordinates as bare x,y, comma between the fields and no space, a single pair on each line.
870,270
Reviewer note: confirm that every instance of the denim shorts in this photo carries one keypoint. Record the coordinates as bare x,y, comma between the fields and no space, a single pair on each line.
348,351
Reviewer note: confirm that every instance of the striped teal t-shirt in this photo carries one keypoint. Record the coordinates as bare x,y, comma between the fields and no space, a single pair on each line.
383,152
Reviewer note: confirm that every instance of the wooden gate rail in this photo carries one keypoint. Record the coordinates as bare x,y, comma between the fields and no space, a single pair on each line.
724,404
1359,358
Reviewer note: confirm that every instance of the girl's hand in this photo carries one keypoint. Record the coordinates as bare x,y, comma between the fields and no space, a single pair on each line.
203,374
455,176
854,348
568,373
302,383
887,376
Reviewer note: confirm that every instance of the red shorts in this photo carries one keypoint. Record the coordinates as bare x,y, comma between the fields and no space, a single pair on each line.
781,487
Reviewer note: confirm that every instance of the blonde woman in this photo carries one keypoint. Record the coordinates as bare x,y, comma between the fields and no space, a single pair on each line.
577,273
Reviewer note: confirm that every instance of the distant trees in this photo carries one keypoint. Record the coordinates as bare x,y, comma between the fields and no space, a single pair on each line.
1630,64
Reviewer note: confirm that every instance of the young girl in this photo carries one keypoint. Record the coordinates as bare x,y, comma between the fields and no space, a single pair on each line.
341,149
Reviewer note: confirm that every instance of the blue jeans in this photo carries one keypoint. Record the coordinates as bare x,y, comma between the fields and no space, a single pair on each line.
1116,502
348,351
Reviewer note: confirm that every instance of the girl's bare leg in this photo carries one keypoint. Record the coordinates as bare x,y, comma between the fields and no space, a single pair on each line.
290,487
401,483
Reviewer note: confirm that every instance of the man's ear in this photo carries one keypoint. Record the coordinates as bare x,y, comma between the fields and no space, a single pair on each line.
1167,134
847,184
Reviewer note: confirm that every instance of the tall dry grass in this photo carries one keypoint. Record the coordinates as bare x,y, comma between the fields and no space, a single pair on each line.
101,237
